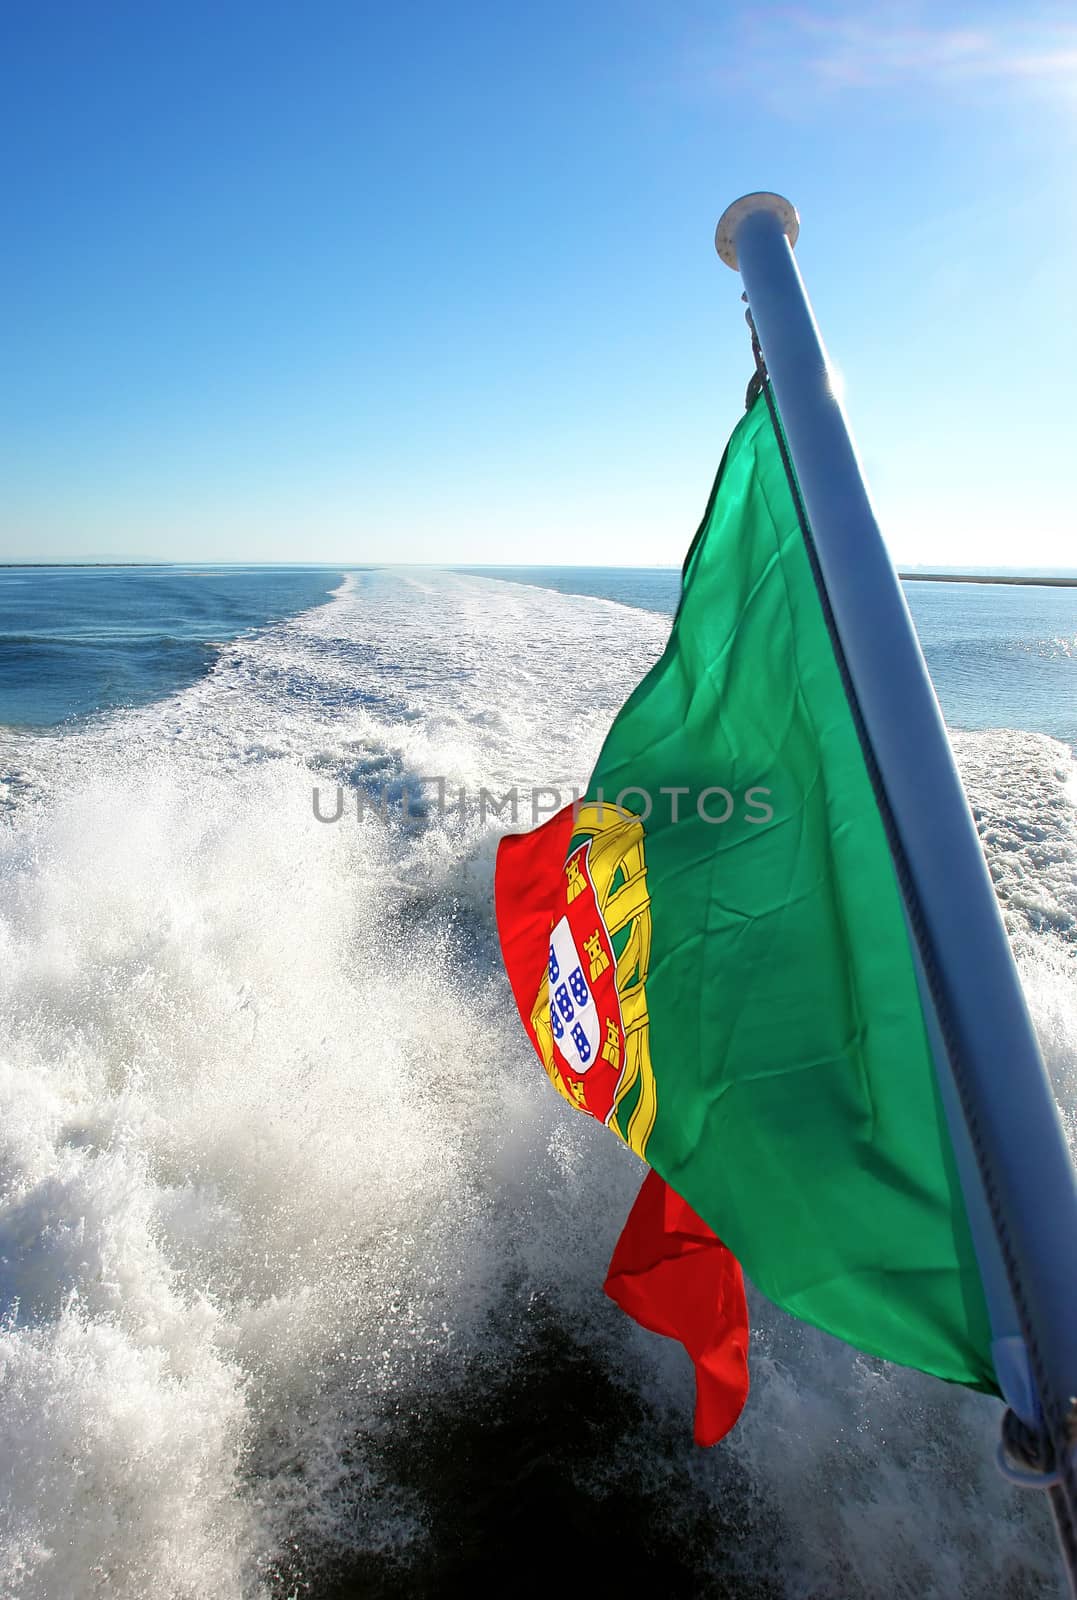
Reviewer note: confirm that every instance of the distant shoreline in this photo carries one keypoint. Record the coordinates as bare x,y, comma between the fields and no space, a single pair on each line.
56,566
906,577
984,577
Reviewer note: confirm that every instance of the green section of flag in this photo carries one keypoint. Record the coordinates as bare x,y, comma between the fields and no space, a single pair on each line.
798,1110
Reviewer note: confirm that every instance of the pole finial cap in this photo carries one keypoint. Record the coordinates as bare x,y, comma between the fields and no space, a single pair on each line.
725,235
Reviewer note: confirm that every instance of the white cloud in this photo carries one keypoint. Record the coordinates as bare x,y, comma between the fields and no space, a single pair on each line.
842,48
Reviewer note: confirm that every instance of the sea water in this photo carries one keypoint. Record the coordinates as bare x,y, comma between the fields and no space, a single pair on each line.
75,640
300,1257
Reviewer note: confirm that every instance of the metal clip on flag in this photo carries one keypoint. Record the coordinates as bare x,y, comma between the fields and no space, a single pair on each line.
1016,1173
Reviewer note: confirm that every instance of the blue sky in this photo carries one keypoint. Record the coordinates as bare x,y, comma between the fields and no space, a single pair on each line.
347,282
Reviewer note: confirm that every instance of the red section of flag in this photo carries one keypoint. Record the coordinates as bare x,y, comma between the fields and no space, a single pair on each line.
669,1271
528,888
674,1276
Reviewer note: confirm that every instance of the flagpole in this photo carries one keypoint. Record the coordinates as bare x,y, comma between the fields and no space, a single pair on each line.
1012,1131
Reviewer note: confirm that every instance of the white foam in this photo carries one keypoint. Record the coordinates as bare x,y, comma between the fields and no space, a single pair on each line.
273,1147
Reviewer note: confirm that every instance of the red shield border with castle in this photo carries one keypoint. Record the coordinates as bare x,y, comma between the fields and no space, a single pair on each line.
572,903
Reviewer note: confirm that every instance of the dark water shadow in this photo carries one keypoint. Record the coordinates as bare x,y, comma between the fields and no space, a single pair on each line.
548,1479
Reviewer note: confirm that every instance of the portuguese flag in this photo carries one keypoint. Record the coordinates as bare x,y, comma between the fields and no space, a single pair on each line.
710,955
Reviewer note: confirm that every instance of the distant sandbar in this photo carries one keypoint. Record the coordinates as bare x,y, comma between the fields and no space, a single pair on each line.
985,577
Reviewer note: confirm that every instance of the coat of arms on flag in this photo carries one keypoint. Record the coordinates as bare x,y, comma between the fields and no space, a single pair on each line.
589,1018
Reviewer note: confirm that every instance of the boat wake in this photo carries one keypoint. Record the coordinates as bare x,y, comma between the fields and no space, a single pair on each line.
301,1259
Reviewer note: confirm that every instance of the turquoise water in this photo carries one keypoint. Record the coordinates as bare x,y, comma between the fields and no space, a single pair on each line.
74,641
648,588
1001,656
